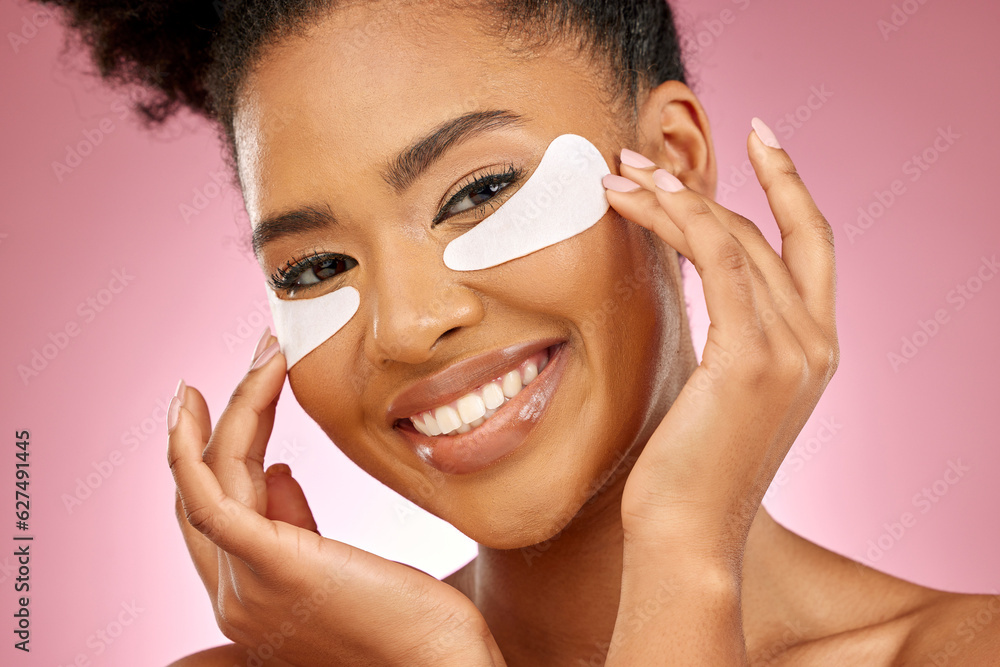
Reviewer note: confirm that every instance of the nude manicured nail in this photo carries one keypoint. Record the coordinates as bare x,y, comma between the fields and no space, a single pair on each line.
265,356
667,181
637,160
173,412
261,344
619,183
764,133
179,392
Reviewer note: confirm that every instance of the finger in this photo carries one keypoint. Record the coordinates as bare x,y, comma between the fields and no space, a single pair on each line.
286,500
192,399
736,290
642,208
204,553
235,452
227,522
784,293
742,228
807,245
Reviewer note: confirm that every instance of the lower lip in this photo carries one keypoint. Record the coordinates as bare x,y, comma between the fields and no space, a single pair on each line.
499,435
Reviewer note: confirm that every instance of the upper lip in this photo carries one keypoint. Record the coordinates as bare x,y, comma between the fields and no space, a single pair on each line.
460,378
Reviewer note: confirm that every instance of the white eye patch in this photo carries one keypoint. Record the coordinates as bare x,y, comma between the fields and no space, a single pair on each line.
302,325
563,198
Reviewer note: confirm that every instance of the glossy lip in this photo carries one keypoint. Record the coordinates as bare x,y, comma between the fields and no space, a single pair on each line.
502,433
462,377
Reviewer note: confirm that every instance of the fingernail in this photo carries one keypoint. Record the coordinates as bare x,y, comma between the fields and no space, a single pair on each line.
265,356
619,183
279,469
667,181
179,393
638,160
173,412
261,344
764,133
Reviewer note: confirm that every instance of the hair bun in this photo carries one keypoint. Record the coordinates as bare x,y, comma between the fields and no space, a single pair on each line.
163,46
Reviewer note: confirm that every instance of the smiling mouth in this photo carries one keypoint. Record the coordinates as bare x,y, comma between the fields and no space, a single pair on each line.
479,405
466,434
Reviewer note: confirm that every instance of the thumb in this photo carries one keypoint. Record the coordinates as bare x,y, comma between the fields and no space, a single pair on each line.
285,499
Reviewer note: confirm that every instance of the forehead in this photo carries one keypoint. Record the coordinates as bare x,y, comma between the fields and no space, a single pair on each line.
363,81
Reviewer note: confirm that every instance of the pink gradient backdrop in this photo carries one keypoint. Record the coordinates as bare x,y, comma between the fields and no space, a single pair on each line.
193,309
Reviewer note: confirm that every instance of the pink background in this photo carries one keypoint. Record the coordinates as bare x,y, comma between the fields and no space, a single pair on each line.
194,307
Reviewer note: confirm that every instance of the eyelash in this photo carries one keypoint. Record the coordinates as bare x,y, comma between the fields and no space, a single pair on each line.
285,278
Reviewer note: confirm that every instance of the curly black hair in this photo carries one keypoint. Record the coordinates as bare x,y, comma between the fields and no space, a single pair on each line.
195,54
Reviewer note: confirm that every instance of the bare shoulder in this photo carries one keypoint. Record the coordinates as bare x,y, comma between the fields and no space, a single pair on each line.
824,609
221,656
955,629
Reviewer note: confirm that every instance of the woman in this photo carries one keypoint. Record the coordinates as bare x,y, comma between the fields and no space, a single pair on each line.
616,495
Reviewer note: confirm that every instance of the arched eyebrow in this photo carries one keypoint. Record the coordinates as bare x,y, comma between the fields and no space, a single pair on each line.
418,156
400,172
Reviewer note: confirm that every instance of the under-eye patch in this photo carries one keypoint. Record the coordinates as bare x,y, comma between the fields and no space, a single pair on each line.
563,197
302,325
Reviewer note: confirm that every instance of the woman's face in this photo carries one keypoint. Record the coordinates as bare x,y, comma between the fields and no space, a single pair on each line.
320,123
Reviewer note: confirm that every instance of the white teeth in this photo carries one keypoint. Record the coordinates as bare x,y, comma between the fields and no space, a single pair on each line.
492,396
431,425
530,372
447,418
512,384
418,424
473,409
470,408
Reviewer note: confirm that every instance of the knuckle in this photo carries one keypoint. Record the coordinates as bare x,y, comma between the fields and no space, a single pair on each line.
732,257
756,368
792,365
787,171
824,357
695,207
202,520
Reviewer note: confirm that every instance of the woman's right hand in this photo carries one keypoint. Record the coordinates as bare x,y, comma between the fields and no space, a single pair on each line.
279,588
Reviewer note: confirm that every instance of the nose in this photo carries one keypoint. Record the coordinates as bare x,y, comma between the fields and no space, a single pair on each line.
413,306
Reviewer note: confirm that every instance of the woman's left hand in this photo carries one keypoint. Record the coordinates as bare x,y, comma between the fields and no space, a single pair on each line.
772,348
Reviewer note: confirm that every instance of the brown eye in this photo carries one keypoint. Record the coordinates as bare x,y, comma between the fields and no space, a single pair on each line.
477,197
325,269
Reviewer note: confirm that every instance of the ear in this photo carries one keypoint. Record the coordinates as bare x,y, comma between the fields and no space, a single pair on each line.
674,132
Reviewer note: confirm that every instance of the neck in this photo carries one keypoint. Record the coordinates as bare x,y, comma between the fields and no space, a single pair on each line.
555,603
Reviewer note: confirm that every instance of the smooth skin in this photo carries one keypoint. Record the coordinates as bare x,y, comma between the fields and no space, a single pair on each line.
667,557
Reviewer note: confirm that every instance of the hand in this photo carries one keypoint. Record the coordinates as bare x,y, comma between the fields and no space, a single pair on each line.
279,588
772,349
